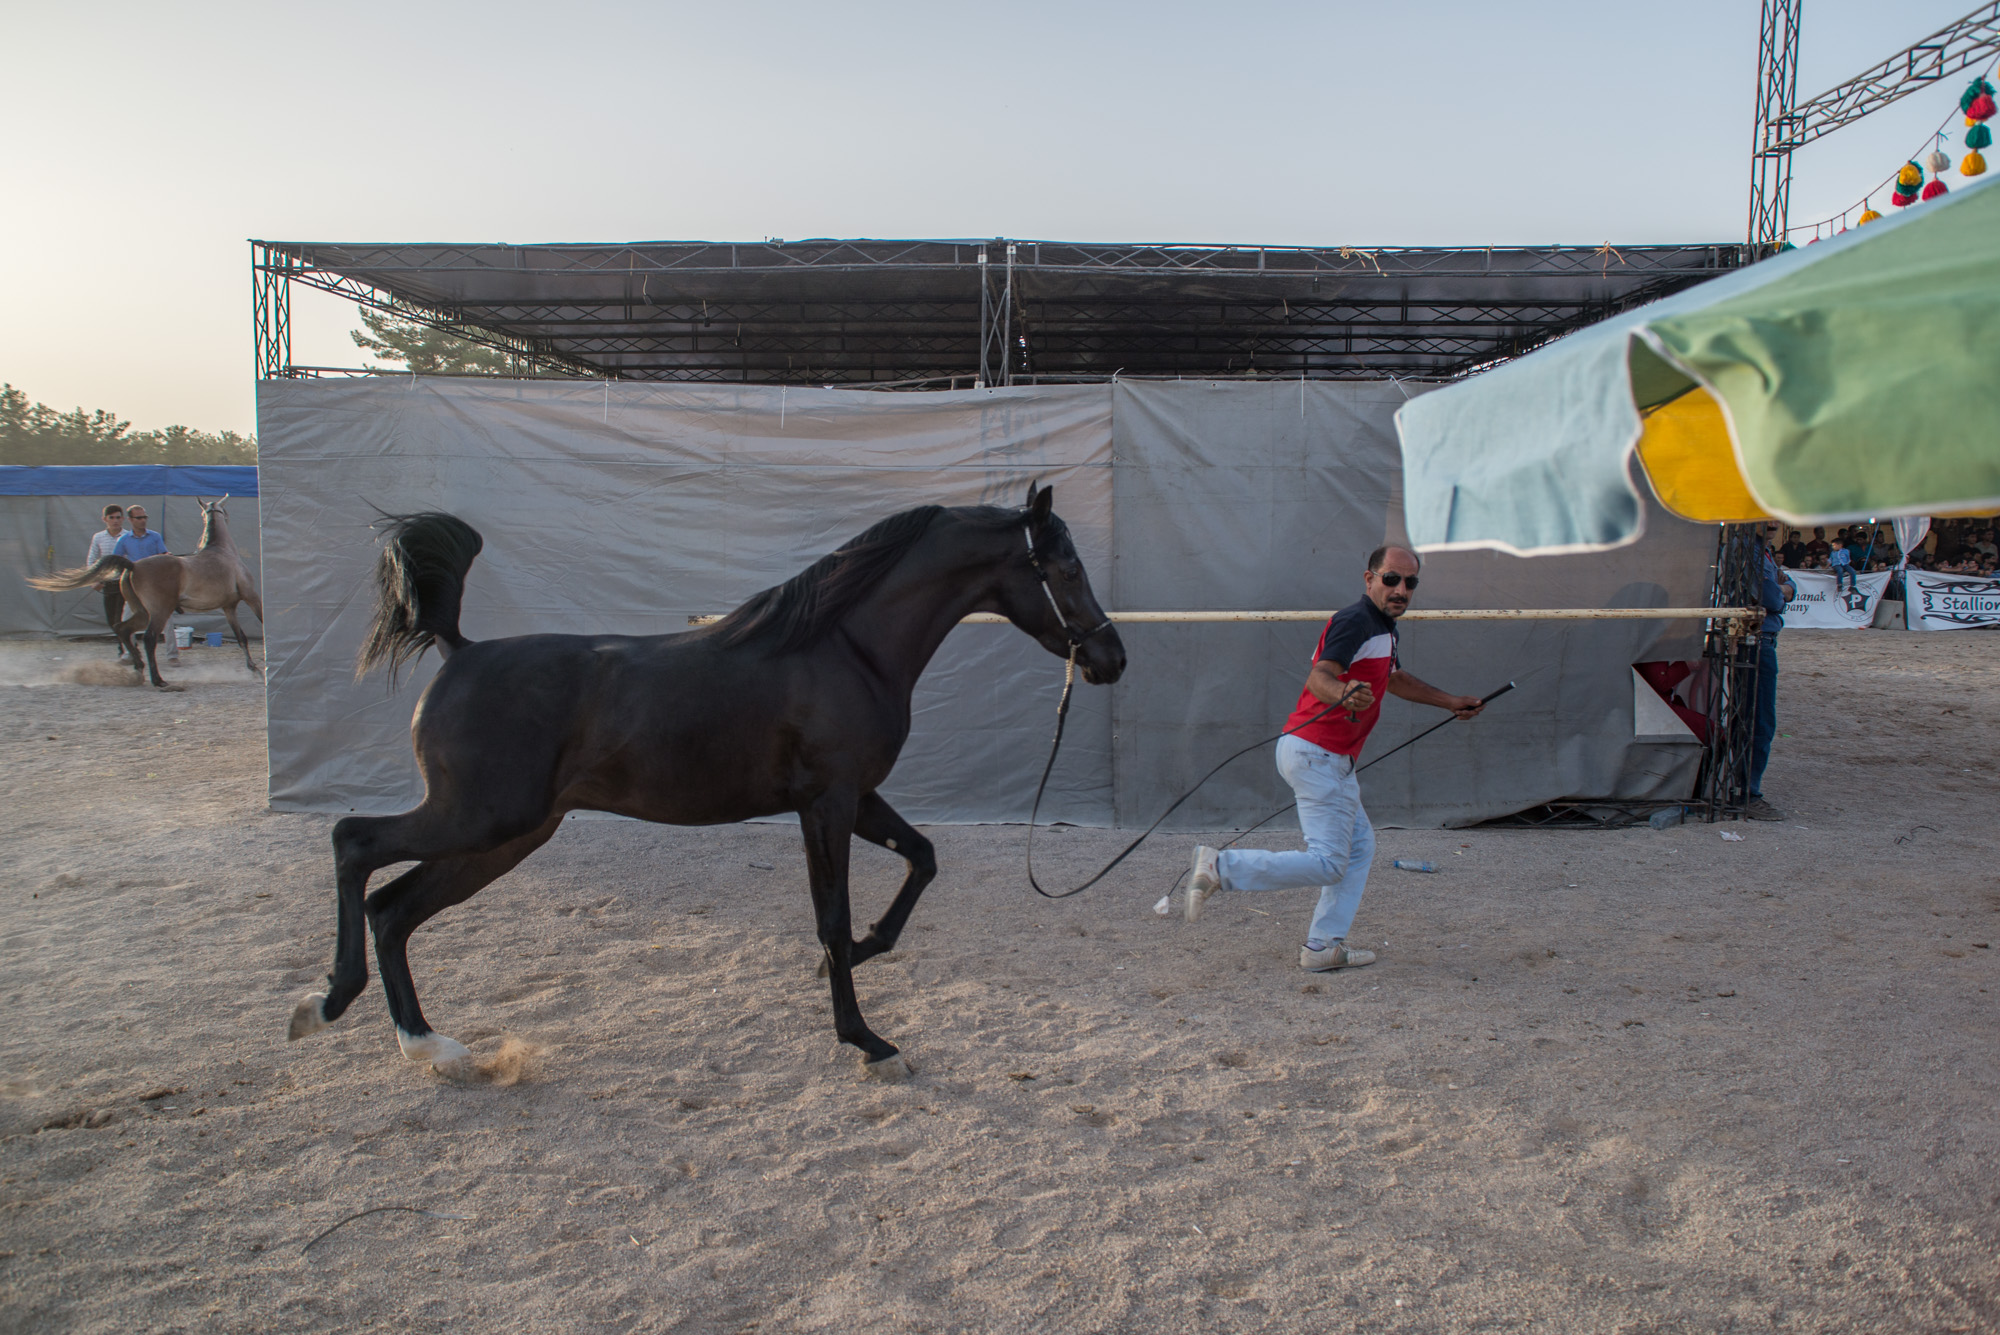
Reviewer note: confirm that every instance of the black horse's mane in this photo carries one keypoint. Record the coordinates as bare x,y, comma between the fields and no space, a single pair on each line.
796,614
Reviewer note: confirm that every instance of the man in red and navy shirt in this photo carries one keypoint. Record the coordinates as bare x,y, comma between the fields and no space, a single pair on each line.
1354,665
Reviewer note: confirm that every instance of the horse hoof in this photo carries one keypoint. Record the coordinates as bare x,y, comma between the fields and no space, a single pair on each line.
168,686
892,1069
447,1056
308,1018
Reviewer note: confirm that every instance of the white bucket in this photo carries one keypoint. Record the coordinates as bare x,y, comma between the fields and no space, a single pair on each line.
183,637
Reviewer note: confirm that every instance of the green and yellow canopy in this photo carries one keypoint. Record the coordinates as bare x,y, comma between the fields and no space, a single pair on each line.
1855,378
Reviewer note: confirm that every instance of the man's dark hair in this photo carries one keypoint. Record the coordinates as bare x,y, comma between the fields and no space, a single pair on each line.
113,509
1375,557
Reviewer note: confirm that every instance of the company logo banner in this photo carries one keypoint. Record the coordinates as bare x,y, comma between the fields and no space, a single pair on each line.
1820,605
1951,602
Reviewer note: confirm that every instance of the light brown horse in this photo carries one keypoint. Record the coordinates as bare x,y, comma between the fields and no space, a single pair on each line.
213,579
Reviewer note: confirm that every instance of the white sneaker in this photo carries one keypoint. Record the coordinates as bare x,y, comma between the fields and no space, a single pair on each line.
1334,955
1203,881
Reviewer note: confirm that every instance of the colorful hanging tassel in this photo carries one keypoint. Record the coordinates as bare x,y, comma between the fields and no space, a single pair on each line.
1908,182
1979,136
1939,162
1981,108
1868,216
1934,189
1972,165
1976,89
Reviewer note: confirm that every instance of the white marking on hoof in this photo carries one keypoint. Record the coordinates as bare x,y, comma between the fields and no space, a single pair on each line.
309,1017
893,1070
447,1056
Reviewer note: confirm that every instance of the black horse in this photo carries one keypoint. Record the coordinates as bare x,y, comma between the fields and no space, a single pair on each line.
799,700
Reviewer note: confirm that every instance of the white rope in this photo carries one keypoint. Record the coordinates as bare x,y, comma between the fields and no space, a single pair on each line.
1431,614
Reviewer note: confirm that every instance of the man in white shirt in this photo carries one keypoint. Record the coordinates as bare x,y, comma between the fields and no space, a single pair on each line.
101,546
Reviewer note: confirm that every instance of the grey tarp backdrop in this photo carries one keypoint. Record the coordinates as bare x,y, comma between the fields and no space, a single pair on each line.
42,534
626,507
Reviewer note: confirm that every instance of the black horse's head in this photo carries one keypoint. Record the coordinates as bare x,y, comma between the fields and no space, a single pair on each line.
1047,594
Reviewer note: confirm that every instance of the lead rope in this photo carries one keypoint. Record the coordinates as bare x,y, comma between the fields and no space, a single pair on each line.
1062,714
1055,745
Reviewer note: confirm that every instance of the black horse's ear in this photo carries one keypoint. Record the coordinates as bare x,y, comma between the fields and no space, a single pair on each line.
1039,504
1031,494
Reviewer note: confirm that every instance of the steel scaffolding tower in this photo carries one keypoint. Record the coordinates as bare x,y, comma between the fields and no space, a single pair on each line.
1784,124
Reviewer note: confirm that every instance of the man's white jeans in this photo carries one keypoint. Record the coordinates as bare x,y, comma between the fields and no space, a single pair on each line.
1340,843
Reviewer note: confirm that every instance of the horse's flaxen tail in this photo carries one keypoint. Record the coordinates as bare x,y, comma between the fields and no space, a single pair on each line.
419,582
83,576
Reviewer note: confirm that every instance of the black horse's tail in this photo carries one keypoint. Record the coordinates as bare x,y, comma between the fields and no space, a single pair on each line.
105,567
419,582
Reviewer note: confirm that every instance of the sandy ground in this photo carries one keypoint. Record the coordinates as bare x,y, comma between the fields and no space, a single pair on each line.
1633,1081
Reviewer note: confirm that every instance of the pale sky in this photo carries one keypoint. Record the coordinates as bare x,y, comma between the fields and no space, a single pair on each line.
146,142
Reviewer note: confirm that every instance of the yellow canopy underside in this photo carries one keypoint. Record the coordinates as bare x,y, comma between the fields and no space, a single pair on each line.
1689,458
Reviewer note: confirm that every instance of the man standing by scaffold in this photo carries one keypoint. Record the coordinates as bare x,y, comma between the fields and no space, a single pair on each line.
1353,665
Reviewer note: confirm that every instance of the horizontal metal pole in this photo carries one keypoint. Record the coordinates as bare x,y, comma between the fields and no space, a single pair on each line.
1439,614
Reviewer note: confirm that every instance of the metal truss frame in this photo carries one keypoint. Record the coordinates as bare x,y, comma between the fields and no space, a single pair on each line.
811,313
1784,124
1777,91
273,271
1731,656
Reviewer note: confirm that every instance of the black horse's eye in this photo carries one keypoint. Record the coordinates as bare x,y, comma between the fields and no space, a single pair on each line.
1070,569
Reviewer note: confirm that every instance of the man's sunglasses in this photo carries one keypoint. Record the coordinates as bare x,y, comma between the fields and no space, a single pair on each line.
1391,579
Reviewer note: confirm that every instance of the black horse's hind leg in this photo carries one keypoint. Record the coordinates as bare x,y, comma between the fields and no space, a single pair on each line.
828,826
877,822
406,903
362,845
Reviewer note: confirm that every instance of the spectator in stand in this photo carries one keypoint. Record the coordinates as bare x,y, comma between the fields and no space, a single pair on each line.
1842,564
1817,549
1982,542
1793,553
1948,536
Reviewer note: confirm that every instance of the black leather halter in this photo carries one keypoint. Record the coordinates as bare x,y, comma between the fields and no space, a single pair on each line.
1075,637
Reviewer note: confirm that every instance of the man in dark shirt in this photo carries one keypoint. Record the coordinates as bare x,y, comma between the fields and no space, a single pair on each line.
1354,665
1773,591
1817,549
1793,553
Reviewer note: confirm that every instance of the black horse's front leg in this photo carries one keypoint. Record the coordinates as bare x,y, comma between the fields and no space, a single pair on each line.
877,822
828,826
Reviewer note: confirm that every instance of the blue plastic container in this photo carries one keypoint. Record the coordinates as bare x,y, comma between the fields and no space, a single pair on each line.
215,639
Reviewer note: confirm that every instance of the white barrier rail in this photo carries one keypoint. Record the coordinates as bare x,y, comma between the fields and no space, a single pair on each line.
1421,614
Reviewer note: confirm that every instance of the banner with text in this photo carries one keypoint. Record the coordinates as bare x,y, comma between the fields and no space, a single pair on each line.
1951,602
1820,605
